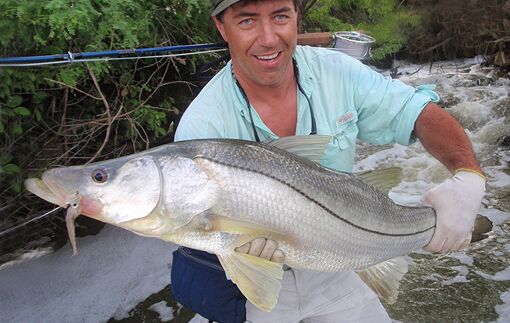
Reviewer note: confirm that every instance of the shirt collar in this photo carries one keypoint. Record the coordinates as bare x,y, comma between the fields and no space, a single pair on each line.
305,74
306,80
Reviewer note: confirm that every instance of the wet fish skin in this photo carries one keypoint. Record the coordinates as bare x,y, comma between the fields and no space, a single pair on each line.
278,190
217,194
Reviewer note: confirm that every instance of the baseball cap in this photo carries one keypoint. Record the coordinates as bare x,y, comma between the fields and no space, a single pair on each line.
220,5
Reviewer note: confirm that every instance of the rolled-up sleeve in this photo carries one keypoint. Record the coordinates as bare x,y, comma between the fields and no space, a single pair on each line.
387,108
405,120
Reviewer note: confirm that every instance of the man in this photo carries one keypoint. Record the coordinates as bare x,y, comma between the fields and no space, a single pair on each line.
272,88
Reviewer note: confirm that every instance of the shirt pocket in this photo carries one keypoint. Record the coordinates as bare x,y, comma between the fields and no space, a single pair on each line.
339,153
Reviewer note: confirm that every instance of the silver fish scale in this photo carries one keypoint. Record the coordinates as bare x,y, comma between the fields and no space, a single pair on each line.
331,220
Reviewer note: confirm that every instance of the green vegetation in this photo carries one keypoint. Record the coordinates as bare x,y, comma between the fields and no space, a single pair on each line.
385,20
76,113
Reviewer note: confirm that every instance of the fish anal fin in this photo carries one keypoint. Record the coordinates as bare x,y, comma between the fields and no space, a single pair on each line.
257,278
382,179
384,278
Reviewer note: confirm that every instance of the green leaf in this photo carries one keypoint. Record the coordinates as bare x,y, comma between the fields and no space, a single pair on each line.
16,186
22,111
38,115
2,129
39,97
11,168
8,113
4,159
16,129
68,77
14,101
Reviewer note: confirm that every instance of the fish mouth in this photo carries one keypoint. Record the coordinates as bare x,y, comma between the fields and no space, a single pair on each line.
57,193
45,190
42,189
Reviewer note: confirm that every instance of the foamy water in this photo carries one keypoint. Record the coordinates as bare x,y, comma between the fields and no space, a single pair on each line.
470,286
116,270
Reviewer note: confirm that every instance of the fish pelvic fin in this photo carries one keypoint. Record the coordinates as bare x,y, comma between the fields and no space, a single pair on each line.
384,278
257,278
382,179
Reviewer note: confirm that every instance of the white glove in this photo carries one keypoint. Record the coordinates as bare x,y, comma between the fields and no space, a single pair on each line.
456,202
263,248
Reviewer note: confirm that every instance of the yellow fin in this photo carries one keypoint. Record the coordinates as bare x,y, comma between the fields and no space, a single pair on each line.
382,179
257,278
384,278
309,147
230,225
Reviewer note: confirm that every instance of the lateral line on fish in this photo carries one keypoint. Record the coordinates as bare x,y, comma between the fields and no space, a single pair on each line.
317,202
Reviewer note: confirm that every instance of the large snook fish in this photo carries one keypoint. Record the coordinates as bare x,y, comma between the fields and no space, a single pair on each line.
216,195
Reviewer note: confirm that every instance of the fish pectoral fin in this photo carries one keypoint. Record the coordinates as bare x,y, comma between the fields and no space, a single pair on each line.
382,179
257,278
384,278
243,228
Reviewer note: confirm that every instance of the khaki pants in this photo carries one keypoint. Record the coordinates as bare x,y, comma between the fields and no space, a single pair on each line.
312,297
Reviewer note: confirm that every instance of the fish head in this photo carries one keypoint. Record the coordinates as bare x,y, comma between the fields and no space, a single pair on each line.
113,191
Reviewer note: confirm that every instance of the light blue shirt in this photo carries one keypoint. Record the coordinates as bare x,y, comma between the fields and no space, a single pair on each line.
349,101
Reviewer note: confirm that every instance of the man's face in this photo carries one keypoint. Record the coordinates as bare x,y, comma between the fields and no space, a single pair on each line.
262,37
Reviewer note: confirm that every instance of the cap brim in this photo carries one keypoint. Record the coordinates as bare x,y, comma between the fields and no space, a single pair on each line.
222,6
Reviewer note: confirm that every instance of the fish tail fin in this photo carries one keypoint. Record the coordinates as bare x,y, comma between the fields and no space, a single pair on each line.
384,278
257,278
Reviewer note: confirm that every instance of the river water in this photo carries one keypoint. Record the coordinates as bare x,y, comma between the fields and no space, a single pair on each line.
118,276
470,286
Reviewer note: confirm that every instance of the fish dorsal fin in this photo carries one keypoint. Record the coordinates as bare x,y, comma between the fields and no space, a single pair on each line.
382,179
257,278
384,278
309,147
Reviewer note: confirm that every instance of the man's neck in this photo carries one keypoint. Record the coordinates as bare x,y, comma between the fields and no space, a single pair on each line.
276,104
267,93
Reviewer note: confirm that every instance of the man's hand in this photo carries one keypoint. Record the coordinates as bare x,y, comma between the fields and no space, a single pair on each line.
456,202
263,248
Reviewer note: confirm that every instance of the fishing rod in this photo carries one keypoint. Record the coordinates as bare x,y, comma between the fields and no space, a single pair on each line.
121,54
312,39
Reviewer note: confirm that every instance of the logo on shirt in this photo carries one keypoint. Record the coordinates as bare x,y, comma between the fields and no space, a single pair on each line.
344,118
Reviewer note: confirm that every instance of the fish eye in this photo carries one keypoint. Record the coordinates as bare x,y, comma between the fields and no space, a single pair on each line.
100,175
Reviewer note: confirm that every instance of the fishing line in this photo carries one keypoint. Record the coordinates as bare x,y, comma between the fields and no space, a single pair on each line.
14,227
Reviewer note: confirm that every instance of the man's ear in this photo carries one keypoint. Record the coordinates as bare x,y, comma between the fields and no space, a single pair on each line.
221,28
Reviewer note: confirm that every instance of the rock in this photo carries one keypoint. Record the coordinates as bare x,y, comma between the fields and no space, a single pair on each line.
502,59
473,80
504,141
